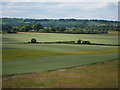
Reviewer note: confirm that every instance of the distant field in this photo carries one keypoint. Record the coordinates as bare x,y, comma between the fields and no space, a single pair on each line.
115,33
30,58
95,38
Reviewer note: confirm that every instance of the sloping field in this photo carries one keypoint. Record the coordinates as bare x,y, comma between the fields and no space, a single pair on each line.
30,58
102,75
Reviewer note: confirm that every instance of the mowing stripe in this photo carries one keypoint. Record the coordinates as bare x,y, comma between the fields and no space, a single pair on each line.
95,52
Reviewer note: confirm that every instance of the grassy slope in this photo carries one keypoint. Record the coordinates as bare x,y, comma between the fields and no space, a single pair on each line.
28,58
97,75
30,65
102,75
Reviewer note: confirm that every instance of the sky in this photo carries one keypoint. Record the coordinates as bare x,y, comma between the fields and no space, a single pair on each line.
59,10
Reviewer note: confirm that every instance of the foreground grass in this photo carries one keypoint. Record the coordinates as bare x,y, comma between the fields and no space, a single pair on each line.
102,75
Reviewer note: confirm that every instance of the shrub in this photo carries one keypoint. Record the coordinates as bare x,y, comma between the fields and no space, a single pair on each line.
85,42
33,40
79,41
11,32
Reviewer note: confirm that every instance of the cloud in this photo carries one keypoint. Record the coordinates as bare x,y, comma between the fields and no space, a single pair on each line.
82,5
60,1
105,10
89,6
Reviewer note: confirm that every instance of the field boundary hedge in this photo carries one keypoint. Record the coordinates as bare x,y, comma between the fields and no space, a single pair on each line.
66,42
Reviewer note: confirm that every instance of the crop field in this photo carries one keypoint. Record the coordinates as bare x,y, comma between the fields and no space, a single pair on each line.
22,61
30,58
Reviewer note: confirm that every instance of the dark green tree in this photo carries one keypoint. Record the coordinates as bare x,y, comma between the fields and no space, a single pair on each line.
33,40
25,28
37,27
62,29
53,29
15,29
6,27
79,41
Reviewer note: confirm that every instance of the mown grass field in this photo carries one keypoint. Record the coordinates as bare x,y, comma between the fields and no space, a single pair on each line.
102,75
44,37
21,59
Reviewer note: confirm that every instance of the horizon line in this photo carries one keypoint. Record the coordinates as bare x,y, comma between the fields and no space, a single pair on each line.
62,18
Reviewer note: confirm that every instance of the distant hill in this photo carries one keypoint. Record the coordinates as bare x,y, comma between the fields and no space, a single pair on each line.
15,22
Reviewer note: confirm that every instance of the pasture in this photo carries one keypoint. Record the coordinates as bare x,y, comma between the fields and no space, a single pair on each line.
33,58
101,75
30,58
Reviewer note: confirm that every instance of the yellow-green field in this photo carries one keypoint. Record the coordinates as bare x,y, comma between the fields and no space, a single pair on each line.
25,59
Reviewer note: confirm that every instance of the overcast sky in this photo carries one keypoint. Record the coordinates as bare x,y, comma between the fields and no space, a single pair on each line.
56,10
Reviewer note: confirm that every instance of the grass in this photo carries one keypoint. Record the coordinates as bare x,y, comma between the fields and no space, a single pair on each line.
95,52
24,66
59,65
102,75
58,47
30,58
19,54
99,38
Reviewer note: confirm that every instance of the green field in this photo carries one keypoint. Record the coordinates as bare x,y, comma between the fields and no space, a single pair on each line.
101,75
31,58
95,38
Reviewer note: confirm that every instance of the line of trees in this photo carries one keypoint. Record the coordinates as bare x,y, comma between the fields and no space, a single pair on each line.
23,28
59,26
27,28
39,28
17,22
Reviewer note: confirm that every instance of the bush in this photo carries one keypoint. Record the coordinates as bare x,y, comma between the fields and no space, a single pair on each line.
11,32
79,41
85,42
33,40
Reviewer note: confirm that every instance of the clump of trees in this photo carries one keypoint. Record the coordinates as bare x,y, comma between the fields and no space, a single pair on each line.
37,27
23,28
27,28
79,41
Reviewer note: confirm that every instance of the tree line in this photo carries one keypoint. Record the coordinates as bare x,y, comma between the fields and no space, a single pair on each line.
59,26
39,28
